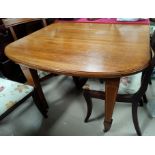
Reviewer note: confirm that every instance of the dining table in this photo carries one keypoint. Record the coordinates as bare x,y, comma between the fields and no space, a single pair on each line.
84,49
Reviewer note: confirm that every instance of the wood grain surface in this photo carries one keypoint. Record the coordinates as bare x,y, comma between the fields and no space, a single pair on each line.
84,49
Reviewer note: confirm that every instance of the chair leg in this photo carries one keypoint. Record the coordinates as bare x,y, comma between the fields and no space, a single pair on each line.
145,98
39,106
135,118
89,105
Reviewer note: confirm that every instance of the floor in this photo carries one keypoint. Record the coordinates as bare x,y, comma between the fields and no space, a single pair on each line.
67,112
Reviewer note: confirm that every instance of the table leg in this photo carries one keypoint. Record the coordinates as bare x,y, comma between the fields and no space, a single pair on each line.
37,86
111,89
28,75
33,79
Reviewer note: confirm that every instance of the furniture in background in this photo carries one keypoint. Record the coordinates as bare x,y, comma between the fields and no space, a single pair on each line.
10,23
13,94
86,50
8,67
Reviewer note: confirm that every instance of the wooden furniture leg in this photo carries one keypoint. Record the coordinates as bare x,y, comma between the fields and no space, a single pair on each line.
38,88
33,79
111,89
28,75
37,103
89,104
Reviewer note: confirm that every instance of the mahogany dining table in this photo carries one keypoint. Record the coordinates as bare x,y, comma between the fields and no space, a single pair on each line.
89,50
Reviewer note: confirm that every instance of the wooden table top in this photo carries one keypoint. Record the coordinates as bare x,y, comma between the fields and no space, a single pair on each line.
84,49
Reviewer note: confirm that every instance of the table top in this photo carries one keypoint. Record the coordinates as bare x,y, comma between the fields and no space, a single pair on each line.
84,49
